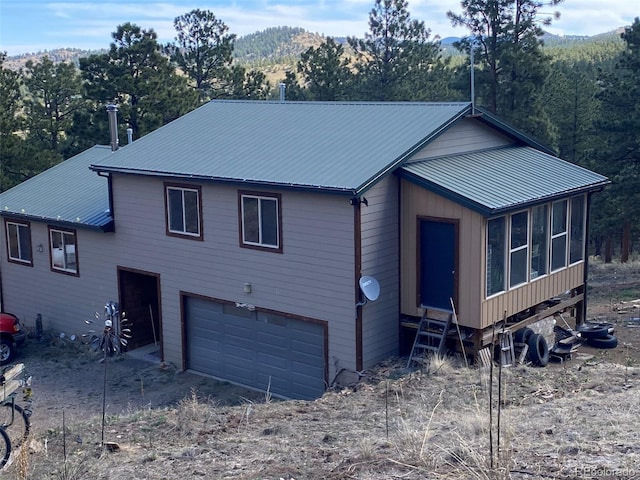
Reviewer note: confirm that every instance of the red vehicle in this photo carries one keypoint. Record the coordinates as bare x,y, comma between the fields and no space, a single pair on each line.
11,336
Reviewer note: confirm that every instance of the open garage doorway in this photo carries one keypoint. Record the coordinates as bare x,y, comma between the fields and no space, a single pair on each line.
140,300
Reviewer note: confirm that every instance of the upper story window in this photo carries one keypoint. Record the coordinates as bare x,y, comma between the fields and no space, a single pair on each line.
260,221
184,211
64,252
19,242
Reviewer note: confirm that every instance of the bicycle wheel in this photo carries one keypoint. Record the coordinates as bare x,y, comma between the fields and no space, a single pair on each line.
5,448
15,422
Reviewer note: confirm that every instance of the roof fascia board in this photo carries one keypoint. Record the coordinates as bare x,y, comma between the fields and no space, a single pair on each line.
402,158
489,118
446,193
107,227
488,211
227,181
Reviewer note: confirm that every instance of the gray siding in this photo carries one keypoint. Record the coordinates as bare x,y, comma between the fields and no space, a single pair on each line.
64,301
313,277
380,259
468,135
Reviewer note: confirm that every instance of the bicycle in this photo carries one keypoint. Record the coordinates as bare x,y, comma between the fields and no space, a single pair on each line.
15,424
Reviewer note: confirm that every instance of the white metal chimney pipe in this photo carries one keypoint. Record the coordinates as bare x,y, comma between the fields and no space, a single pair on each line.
112,112
129,135
283,86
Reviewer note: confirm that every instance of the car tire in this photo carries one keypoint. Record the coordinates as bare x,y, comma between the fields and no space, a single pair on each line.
522,335
595,330
610,341
6,351
538,350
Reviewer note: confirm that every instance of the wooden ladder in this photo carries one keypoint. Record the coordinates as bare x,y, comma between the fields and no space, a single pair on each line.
431,337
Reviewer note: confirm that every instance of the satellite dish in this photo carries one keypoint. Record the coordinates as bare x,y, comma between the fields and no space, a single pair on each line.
370,288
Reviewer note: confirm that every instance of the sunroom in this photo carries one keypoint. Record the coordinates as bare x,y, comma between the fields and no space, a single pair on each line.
499,236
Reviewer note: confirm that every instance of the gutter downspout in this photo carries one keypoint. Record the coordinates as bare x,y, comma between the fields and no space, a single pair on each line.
357,250
1,295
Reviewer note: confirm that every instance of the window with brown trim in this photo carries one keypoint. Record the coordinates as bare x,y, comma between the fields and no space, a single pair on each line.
64,251
19,242
183,211
260,220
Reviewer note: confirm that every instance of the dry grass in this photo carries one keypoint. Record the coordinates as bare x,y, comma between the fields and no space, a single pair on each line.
555,423
578,420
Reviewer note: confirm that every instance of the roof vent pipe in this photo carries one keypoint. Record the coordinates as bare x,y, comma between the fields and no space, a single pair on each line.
472,80
112,112
283,86
129,135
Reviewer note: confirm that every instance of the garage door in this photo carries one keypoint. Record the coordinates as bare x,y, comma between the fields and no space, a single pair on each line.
260,350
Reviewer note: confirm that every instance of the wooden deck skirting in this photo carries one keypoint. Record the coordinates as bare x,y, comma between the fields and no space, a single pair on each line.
487,333
481,338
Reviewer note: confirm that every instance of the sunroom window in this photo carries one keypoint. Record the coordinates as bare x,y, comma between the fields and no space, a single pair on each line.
576,249
496,247
559,235
539,240
519,253
542,239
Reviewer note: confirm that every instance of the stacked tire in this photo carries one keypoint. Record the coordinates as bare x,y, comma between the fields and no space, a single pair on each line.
598,335
538,352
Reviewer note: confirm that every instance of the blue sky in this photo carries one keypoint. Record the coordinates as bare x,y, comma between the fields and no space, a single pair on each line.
35,25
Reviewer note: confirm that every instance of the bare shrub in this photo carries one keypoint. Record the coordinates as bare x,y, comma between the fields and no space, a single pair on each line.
193,414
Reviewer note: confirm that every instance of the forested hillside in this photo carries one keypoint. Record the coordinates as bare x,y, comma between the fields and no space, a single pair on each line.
579,95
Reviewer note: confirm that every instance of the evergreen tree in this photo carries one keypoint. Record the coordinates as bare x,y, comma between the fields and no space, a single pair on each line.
10,125
250,85
139,79
54,97
620,150
293,90
396,56
326,72
203,51
505,35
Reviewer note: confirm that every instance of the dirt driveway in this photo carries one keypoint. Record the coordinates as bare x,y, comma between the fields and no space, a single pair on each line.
69,378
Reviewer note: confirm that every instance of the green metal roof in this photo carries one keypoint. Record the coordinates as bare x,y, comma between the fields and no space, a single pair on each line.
331,146
498,180
68,194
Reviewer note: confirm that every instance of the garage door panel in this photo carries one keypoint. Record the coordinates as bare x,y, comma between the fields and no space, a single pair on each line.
269,362
306,349
256,349
272,340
